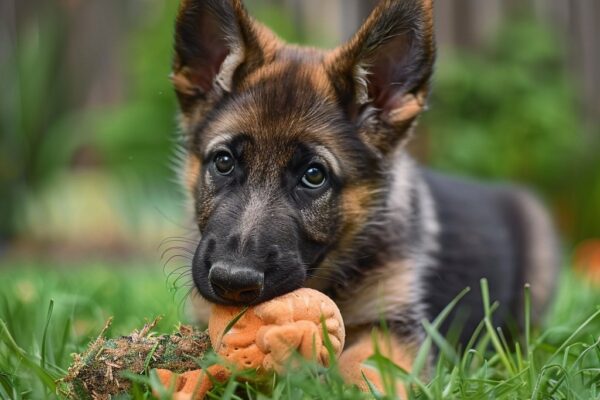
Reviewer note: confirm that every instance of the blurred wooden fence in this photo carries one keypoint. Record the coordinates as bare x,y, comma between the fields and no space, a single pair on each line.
462,23
575,23
468,23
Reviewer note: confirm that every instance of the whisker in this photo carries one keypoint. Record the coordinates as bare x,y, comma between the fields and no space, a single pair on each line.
183,298
174,256
186,259
182,275
173,248
178,270
175,238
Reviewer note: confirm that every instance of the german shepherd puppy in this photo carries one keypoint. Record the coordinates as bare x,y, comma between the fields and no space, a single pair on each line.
296,163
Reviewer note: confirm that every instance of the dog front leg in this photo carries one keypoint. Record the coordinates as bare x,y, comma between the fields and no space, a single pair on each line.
351,363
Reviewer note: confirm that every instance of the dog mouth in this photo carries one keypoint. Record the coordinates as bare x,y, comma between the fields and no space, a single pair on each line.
231,277
239,286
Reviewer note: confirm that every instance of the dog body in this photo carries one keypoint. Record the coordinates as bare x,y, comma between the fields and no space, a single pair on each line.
440,234
296,165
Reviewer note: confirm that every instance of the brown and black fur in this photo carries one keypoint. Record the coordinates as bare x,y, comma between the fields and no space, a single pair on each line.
382,236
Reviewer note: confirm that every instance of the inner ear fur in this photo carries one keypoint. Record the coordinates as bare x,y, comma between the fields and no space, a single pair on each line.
217,44
382,74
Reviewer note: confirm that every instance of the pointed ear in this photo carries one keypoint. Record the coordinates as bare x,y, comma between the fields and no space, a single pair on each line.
382,74
216,45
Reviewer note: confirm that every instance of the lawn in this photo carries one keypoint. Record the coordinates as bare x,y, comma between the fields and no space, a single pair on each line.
49,311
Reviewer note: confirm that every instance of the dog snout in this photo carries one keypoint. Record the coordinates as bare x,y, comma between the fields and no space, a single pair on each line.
237,284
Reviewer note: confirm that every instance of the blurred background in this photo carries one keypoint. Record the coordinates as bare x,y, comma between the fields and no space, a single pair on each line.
92,219
87,120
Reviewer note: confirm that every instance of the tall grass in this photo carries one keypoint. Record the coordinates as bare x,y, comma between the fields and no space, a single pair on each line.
47,313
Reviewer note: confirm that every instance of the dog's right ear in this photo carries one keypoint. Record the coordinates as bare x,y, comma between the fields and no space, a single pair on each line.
216,44
382,74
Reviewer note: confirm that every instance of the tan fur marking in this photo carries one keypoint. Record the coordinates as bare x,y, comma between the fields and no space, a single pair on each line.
355,203
382,292
264,73
314,72
192,172
268,41
182,82
321,81
411,107
352,360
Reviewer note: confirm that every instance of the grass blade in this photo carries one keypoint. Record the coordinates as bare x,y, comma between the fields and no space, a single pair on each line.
45,334
504,358
574,334
64,340
47,379
423,353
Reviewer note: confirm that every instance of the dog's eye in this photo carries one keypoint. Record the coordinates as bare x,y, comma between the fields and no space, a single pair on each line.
224,162
314,177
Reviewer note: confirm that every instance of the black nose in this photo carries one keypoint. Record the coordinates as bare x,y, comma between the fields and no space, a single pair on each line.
235,283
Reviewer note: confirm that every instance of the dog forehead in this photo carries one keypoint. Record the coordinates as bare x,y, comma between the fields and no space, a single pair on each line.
287,97
281,103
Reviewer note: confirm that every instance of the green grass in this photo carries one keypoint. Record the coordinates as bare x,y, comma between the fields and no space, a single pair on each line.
48,312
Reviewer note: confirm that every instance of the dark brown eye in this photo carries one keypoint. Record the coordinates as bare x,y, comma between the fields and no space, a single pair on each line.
224,163
314,177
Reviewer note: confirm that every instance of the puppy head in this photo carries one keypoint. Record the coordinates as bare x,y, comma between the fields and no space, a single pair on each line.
287,146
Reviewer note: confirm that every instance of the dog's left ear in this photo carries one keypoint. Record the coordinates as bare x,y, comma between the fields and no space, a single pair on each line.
382,74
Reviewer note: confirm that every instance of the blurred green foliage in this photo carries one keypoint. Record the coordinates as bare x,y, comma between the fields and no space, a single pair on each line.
509,112
506,111
42,135
138,137
277,18
30,101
